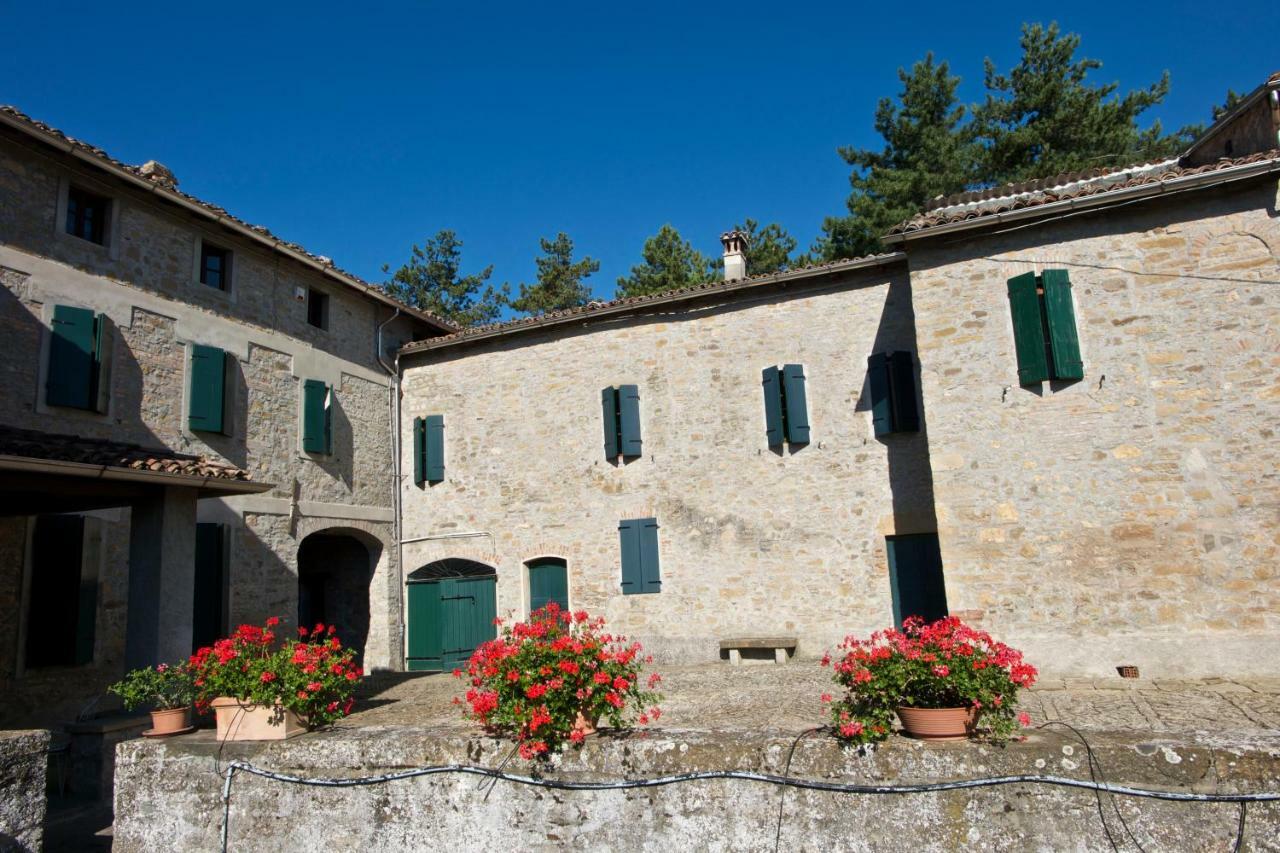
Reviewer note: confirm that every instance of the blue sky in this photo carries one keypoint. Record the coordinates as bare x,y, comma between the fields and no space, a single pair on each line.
357,130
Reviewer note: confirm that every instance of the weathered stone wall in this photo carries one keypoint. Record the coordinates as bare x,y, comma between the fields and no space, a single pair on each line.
167,795
22,782
1129,518
753,541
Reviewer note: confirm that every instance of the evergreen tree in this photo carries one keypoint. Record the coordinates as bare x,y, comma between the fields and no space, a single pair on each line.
1233,98
927,152
561,279
1044,118
430,281
670,263
768,249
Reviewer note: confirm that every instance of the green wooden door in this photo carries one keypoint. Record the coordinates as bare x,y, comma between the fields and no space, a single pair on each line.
548,582
448,619
915,577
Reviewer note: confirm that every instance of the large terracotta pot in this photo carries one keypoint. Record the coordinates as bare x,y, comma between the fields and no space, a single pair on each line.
238,720
582,724
170,721
938,723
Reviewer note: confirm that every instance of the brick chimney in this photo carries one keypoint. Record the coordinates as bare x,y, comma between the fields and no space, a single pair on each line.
735,254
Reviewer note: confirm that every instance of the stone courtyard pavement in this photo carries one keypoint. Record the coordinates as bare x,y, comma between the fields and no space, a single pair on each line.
768,699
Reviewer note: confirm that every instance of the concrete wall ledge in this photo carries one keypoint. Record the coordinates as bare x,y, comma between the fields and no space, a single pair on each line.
168,794
23,769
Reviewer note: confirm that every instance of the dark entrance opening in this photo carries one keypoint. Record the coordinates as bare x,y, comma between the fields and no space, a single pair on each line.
334,571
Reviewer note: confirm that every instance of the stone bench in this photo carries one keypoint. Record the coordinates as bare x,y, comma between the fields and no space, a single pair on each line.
782,647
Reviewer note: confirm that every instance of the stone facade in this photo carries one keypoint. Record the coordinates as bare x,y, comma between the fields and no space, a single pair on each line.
753,540
1129,517
145,282
22,784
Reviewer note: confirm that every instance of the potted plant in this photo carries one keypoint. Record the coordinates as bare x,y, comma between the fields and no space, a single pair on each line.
168,690
945,680
551,680
264,689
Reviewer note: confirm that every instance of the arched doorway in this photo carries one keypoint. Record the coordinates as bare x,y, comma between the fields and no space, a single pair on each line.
548,582
334,571
451,606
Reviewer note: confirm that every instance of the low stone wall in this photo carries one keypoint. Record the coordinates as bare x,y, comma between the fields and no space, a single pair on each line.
23,767
168,796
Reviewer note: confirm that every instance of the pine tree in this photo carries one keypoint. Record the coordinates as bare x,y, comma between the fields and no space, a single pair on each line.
768,249
670,263
430,281
561,279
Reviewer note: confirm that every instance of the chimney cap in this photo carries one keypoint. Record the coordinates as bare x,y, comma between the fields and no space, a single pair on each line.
734,241
159,173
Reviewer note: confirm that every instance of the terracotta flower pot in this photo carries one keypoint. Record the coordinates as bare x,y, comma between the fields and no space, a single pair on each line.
170,721
239,720
938,723
582,724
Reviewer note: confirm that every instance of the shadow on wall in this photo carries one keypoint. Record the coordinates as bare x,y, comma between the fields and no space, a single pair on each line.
339,463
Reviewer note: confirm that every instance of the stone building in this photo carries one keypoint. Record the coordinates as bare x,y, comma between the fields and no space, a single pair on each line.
1051,410
195,428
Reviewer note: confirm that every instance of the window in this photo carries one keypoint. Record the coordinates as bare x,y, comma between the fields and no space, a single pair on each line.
620,410
786,413
428,449
891,379
79,356
317,428
87,215
215,266
548,583
317,308
210,397
62,604
640,567
1044,327
915,577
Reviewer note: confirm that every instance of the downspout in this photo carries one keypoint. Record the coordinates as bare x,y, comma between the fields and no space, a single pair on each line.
393,406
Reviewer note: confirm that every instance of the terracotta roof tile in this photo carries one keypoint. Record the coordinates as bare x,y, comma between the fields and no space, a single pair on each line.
33,444
163,188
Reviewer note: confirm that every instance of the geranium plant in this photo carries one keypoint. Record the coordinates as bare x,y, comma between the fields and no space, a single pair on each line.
549,681
943,664
163,687
313,676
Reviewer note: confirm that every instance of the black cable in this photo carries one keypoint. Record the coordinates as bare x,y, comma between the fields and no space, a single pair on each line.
1102,816
786,774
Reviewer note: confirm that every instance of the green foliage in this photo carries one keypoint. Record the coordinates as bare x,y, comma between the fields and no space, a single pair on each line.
768,249
670,263
927,152
1229,103
164,687
430,281
561,280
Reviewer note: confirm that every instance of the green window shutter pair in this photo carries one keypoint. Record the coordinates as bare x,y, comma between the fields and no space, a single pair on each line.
786,408
548,582
641,572
209,408
915,577
891,378
317,424
1044,327
620,415
78,350
428,449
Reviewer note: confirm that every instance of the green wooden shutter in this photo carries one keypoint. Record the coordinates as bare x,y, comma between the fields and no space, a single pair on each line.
650,570
632,561
609,418
208,389
1028,330
878,387
207,620
796,403
316,431
902,391
72,346
548,582
629,420
434,448
426,635
772,381
915,577
1063,339
98,374
419,451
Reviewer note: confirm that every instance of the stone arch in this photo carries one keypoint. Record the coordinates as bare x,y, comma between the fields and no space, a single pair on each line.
336,569
452,567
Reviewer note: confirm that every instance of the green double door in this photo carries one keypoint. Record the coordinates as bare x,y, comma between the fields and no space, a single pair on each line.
448,619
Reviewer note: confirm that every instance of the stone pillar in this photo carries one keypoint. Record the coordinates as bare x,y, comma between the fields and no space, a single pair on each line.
162,567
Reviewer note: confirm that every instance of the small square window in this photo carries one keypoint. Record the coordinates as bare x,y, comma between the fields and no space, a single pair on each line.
87,215
215,266
317,308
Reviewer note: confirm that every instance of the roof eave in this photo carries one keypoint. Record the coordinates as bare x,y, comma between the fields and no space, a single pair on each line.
1221,124
209,485
226,222
1169,185
731,287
